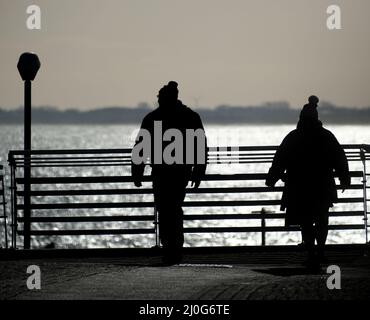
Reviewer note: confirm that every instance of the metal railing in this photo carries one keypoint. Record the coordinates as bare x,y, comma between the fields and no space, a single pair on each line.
3,215
58,174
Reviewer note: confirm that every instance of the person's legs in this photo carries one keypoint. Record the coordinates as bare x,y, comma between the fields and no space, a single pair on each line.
321,230
308,233
171,231
169,199
308,237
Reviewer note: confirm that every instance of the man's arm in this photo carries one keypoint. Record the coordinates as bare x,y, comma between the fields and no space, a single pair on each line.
279,164
340,164
199,168
137,169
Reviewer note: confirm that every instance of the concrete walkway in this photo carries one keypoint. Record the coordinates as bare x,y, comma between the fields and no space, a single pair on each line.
217,274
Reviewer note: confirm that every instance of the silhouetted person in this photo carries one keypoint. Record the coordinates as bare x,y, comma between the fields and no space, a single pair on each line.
170,180
309,110
307,161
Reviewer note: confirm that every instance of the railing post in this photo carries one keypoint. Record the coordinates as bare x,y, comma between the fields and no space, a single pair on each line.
364,180
263,226
27,165
12,200
28,65
5,216
156,226
15,221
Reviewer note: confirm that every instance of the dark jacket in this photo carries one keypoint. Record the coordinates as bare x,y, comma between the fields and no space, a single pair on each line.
177,117
307,161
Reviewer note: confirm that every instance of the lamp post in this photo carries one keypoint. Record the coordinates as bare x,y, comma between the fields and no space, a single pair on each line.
28,65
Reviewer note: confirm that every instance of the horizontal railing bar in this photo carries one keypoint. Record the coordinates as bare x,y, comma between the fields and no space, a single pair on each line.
266,229
68,180
128,156
240,153
268,216
66,161
104,162
88,232
210,148
187,217
20,155
127,159
150,191
116,164
129,164
121,179
346,214
186,230
90,218
238,158
350,200
125,164
89,205
148,204
72,151
128,150
66,164
75,165
110,163
72,159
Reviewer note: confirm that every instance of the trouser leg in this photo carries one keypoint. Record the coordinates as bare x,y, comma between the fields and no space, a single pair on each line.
321,229
308,235
171,226
169,200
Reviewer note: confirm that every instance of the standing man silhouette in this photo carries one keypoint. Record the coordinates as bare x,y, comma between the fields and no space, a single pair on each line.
170,180
307,160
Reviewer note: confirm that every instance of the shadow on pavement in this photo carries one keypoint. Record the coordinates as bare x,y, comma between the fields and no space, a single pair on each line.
292,271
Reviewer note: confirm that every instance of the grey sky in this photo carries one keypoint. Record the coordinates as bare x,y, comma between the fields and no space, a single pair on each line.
120,52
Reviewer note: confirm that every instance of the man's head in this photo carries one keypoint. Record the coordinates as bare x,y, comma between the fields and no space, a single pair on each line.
313,100
309,111
309,117
168,94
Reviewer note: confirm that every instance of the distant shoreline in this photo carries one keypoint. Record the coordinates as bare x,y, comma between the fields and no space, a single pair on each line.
269,114
205,124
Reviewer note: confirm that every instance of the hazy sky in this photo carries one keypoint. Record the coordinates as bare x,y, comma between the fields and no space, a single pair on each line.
239,52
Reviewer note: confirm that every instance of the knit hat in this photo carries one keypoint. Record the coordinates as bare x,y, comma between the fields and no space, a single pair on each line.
169,91
309,111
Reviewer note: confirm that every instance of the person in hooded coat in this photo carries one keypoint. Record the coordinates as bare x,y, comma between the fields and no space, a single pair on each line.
170,180
307,161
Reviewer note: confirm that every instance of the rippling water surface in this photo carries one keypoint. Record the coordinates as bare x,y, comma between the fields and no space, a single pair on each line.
121,136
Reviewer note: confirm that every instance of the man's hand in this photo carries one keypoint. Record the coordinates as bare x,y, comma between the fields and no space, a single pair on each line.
345,184
195,183
269,183
137,183
343,187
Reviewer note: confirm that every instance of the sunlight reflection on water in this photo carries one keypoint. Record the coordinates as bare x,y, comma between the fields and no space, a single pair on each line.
121,136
